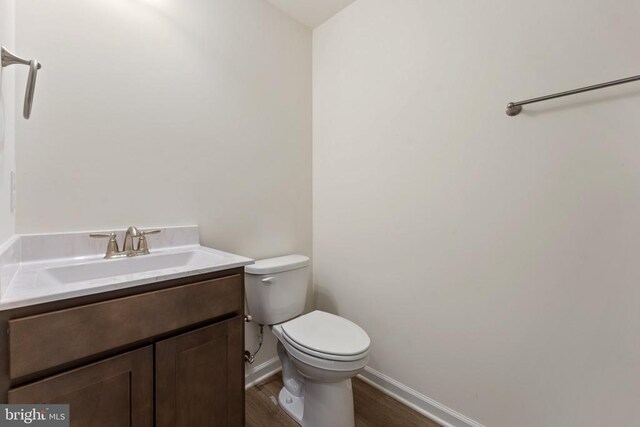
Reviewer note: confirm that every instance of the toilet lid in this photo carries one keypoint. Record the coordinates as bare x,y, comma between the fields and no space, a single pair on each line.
327,334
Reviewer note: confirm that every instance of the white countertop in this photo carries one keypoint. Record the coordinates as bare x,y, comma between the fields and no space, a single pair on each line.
36,279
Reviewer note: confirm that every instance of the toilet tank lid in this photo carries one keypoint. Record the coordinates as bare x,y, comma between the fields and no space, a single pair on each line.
277,265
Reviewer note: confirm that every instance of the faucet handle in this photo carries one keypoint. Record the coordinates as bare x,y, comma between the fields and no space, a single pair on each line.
102,235
143,246
112,246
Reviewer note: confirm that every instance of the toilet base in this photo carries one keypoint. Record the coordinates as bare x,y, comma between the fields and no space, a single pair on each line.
292,405
327,405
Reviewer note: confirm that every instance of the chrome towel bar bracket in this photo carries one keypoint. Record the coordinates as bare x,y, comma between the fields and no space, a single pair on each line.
8,58
514,108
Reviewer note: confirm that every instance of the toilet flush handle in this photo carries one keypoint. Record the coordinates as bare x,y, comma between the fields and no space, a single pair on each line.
268,280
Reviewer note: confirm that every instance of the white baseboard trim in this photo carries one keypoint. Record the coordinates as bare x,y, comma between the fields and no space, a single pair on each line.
261,372
415,400
420,403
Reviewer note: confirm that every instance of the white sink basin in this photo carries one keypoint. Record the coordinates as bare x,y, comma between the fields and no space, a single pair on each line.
123,268
56,279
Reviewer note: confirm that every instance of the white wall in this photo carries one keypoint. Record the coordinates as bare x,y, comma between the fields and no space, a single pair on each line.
311,12
154,112
7,121
493,260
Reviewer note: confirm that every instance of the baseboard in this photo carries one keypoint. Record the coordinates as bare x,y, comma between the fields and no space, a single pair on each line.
426,406
256,374
420,403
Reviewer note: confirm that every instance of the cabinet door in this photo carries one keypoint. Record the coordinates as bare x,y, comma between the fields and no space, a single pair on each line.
113,392
200,377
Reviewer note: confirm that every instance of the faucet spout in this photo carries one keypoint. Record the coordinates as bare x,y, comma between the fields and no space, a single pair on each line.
132,232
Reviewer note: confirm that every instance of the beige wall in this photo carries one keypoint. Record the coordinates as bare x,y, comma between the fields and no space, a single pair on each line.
159,112
7,121
493,260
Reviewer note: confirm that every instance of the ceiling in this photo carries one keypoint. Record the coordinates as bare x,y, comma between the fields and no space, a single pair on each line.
311,12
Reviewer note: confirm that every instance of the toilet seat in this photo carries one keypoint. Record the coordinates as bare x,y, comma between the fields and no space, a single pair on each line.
318,355
327,336
323,363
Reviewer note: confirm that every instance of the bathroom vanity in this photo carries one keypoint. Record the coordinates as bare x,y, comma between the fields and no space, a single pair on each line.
167,351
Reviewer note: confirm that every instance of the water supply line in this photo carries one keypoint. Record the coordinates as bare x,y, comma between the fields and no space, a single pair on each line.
248,357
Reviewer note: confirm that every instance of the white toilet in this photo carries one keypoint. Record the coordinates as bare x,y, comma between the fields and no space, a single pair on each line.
319,352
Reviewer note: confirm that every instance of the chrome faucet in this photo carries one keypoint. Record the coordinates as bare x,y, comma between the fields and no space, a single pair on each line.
128,249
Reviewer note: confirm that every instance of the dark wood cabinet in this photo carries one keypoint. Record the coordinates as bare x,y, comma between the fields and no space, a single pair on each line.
199,380
114,392
90,329
169,354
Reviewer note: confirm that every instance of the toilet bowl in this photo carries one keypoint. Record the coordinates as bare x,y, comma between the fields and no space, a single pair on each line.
319,352
325,351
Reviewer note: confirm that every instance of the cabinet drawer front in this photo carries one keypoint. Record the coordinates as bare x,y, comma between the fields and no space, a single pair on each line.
48,340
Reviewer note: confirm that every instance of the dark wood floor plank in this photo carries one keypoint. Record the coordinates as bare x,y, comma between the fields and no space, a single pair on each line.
271,387
262,412
372,407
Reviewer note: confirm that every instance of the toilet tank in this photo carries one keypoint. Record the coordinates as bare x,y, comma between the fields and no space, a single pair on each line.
276,288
